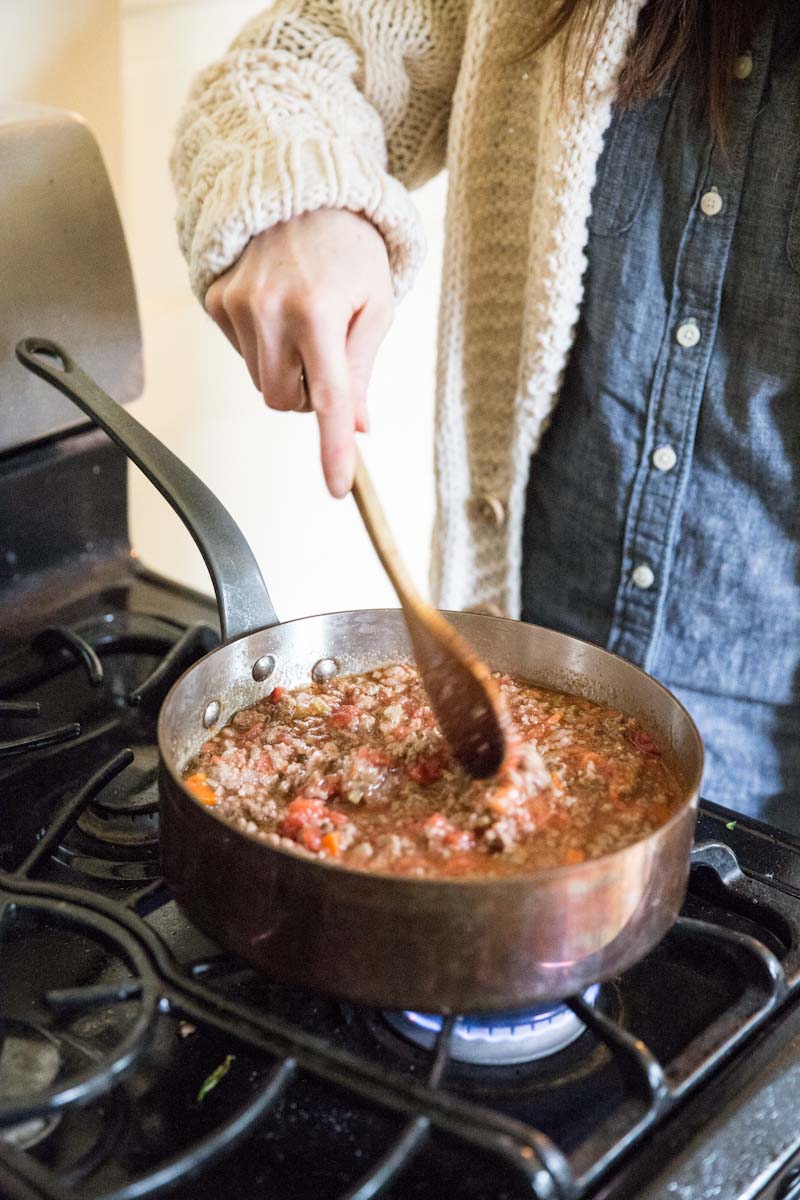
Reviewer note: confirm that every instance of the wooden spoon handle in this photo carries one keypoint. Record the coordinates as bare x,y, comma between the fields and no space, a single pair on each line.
381,535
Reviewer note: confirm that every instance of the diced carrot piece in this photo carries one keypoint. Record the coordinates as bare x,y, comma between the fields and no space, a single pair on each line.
276,694
556,781
330,843
573,856
201,790
584,757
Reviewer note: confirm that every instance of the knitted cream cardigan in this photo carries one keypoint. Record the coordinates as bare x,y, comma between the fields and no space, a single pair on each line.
349,103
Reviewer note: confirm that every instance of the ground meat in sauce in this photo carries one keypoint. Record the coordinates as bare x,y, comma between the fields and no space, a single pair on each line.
356,771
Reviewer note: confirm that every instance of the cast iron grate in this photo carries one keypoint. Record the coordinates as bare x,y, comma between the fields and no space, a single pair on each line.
155,984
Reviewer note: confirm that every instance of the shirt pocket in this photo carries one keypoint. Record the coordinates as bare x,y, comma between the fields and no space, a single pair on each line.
625,166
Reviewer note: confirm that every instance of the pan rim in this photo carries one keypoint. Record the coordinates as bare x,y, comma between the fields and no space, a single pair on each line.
513,883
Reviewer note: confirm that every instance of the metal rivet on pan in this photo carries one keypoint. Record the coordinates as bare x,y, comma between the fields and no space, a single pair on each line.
211,714
263,668
325,669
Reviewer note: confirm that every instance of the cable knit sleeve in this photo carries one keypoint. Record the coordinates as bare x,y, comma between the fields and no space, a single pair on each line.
317,104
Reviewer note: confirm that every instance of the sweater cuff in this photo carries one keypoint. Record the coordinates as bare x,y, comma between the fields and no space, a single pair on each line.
283,179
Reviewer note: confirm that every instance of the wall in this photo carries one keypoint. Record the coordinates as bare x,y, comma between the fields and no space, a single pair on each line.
126,66
199,397
67,53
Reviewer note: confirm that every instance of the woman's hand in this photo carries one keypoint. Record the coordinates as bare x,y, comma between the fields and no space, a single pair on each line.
311,295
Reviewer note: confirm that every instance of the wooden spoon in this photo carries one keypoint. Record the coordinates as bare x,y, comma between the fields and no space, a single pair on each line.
466,700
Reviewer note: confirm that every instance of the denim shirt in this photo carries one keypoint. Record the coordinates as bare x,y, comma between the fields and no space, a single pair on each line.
662,517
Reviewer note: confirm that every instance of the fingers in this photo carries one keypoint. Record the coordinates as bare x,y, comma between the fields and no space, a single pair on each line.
367,330
263,342
214,306
323,350
311,293
279,369
230,308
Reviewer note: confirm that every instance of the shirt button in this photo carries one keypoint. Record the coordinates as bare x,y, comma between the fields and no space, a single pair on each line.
643,577
490,510
743,66
688,334
711,203
664,458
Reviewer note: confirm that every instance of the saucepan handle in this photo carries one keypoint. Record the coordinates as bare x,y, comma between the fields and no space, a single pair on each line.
242,596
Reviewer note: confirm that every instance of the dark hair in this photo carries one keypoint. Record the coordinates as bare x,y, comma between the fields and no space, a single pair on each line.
700,37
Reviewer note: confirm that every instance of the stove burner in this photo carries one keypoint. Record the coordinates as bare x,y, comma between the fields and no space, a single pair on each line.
120,829
115,832
125,813
28,1062
501,1039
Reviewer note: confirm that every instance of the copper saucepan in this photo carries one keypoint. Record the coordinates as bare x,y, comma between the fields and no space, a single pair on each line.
437,945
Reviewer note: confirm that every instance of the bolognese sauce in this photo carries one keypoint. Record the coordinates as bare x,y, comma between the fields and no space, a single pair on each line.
356,771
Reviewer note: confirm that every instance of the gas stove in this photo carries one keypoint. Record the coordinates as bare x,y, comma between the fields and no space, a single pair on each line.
138,1059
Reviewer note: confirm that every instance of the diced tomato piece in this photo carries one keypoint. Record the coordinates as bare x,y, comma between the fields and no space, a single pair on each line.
556,819
276,694
330,786
642,740
306,807
436,825
425,770
459,839
303,810
310,837
376,757
343,717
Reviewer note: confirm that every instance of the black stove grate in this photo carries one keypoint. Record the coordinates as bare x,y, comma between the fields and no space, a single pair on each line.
158,984
731,917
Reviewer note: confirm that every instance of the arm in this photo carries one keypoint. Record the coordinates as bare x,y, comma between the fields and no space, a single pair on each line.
291,165
317,105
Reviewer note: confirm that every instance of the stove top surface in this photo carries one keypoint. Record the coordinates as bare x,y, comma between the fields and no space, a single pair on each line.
137,1058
